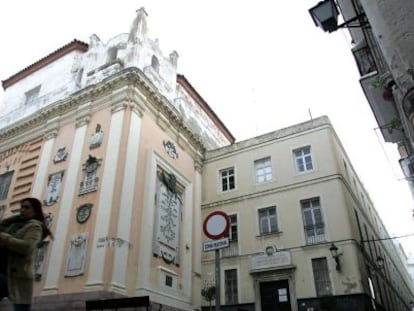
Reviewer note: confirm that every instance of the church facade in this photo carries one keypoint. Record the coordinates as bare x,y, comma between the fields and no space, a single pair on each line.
103,134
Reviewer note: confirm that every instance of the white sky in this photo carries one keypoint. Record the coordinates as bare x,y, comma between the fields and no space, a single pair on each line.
261,65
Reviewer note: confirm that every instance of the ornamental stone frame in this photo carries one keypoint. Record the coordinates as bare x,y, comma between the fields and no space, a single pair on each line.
54,185
97,137
90,177
40,260
77,255
61,155
168,209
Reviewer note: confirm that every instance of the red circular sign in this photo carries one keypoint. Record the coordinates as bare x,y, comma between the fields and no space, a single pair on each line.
216,225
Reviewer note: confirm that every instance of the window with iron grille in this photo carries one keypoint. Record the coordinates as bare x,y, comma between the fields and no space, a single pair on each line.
303,159
313,221
263,170
323,285
233,228
168,281
230,287
267,220
227,179
364,60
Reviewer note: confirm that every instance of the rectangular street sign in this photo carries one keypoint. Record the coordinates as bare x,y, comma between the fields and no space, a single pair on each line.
216,244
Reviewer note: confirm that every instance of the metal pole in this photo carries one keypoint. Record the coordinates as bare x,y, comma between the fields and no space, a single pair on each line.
217,279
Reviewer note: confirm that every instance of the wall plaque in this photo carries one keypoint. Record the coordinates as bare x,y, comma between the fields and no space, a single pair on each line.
168,218
268,262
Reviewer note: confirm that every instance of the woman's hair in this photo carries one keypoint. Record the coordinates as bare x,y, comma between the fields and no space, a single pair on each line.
37,207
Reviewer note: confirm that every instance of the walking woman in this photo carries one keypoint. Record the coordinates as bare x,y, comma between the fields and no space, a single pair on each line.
20,236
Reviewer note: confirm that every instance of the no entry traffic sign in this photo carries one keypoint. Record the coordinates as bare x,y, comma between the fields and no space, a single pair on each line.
216,225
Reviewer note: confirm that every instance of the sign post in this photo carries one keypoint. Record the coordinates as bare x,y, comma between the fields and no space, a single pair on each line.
216,227
217,261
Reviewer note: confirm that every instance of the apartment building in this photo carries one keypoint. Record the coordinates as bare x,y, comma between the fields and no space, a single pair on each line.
383,47
304,234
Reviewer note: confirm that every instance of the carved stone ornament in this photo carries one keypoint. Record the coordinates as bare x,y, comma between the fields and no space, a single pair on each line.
90,178
170,181
54,185
77,255
168,204
40,260
170,149
83,213
49,219
60,155
97,137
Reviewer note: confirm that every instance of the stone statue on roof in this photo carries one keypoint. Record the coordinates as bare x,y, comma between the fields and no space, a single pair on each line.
139,28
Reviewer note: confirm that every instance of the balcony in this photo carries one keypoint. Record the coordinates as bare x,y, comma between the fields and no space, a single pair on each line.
315,233
231,251
407,167
363,58
381,100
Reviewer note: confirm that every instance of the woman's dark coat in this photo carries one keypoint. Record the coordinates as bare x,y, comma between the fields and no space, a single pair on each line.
22,249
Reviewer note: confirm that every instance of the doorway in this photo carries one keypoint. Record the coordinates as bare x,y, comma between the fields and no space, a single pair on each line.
274,296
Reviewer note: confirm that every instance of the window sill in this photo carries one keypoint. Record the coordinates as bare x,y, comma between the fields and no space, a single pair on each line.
304,172
227,191
269,234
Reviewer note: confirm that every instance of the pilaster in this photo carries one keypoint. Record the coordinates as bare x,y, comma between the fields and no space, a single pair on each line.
59,248
126,205
105,201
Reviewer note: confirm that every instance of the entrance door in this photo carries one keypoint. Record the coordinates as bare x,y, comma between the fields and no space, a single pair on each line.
274,296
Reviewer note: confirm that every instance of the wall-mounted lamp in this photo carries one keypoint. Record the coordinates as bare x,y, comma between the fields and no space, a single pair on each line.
325,15
334,252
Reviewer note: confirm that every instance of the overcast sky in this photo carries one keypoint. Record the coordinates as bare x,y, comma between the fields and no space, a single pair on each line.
261,65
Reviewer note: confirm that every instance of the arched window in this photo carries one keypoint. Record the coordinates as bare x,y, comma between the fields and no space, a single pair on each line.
155,63
112,54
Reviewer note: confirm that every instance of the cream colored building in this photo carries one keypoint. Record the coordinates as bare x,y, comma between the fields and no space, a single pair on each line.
112,140
291,195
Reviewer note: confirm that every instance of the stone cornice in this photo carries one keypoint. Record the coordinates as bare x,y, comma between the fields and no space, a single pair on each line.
136,83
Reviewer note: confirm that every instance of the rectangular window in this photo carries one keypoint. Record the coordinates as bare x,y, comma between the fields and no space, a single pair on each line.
267,220
233,249
263,170
321,276
227,179
303,159
313,221
230,286
5,181
168,281
233,228
364,60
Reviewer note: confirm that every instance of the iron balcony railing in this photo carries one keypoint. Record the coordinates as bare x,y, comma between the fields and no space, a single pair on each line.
315,233
231,251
